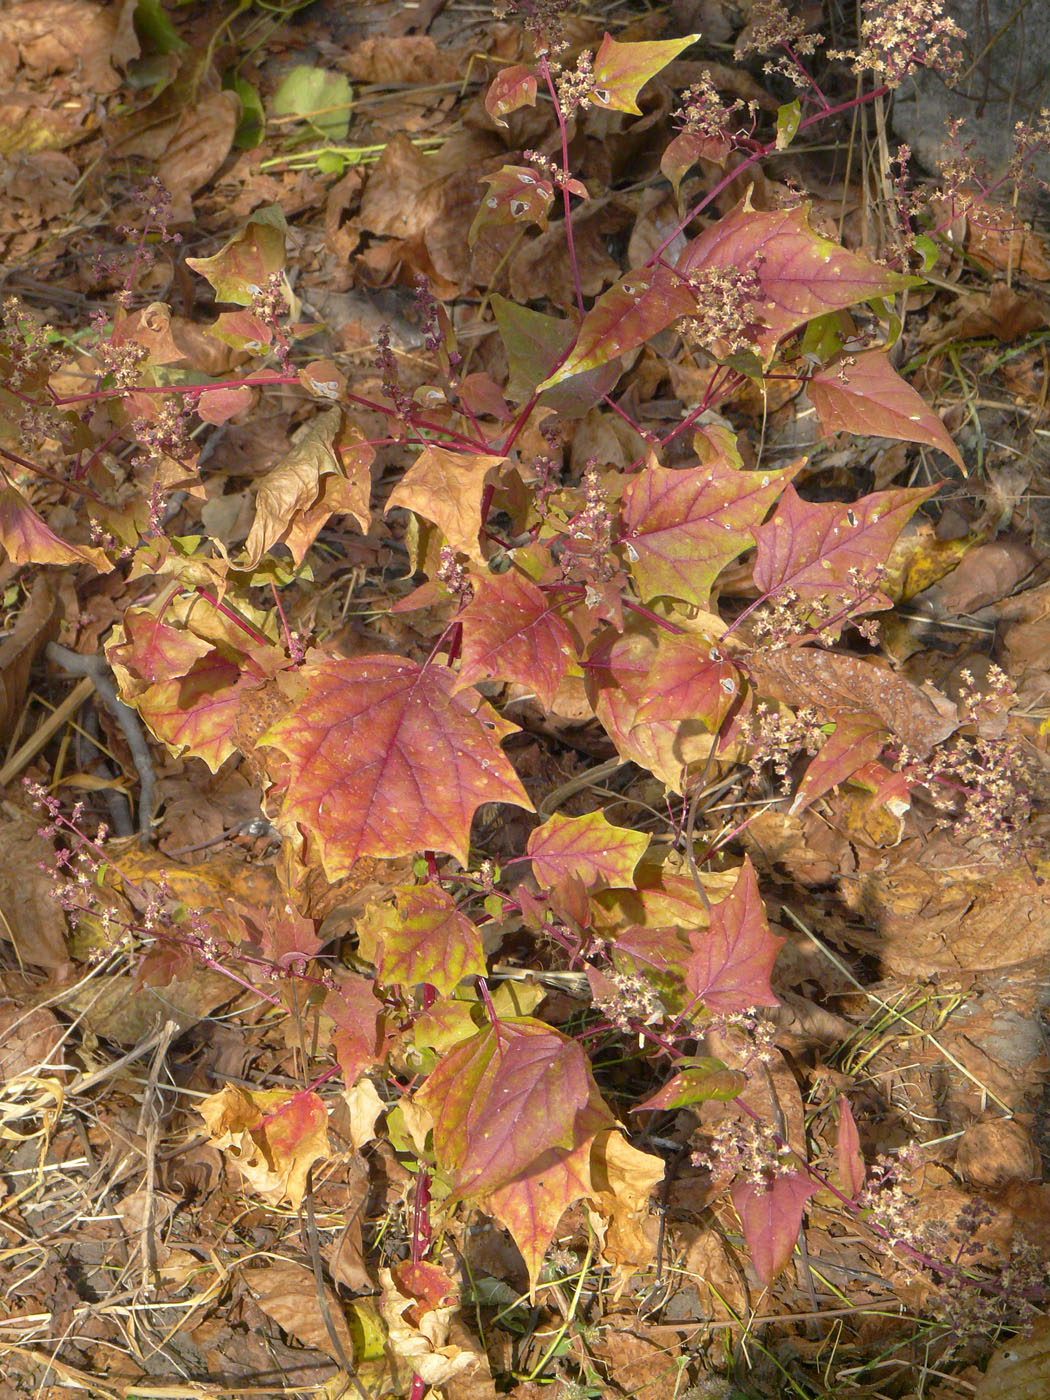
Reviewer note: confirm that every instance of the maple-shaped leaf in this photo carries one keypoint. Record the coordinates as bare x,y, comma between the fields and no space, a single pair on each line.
241,269
682,526
446,487
271,1136
800,273
703,1079
852,1170
503,1099
385,760
813,547
621,70
534,343
632,311
856,741
516,195
144,650
356,1015
864,394
588,846
532,1205
510,89
26,538
511,631
772,1217
733,957
626,673
421,937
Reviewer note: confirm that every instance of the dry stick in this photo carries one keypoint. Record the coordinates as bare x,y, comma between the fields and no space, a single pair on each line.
28,750
97,671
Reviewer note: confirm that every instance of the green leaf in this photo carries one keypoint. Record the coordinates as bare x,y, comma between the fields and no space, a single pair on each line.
252,124
704,1078
788,118
318,96
153,24
421,938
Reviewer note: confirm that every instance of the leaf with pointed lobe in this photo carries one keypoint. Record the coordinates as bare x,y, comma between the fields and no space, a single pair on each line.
801,274
145,649
532,1205
510,89
241,268
197,713
686,149
701,1080
622,70
512,631
852,1170
733,957
641,304
682,526
864,394
503,1099
857,739
271,1136
516,195
356,1015
26,538
812,547
772,1217
534,343
588,846
385,760
421,937
446,488
623,676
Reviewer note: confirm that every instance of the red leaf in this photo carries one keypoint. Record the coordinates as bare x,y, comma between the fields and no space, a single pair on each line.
503,1099
802,275
517,195
510,89
772,1219
512,632
421,938
197,713
620,70
148,649
384,760
811,547
681,527
856,741
852,1170
625,679
683,152
589,846
633,310
358,1036
532,1206
732,959
864,394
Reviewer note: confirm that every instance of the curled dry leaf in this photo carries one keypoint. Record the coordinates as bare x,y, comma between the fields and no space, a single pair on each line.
1020,1367
418,1304
271,1137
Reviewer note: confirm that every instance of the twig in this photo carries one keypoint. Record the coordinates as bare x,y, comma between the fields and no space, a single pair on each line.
97,671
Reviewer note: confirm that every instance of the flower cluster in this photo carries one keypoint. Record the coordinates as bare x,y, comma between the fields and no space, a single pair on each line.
575,85
543,21
26,345
386,364
897,36
452,574
725,307
630,1001
702,112
773,27
778,737
742,1147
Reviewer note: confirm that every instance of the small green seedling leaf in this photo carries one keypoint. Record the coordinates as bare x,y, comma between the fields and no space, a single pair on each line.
788,118
318,96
